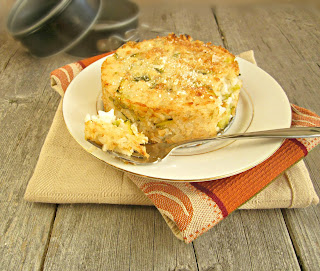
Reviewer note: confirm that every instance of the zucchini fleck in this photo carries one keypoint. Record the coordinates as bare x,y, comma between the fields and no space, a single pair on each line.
225,120
235,88
159,70
128,123
153,85
120,86
116,122
145,78
163,124
204,72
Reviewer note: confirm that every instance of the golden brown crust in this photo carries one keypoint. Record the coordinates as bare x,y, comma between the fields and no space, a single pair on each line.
167,78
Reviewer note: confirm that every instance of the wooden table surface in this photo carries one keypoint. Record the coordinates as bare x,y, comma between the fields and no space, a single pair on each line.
34,236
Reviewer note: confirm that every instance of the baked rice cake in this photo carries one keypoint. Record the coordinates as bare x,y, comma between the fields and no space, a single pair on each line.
172,87
114,134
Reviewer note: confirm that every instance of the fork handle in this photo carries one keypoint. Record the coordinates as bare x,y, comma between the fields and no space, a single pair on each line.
295,132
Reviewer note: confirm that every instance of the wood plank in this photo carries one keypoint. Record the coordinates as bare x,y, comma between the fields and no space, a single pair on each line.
304,38
8,48
27,106
7,45
247,240
285,40
194,21
258,29
100,237
303,226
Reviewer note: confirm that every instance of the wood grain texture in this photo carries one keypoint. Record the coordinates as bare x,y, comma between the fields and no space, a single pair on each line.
269,31
304,39
10,47
27,106
303,226
286,44
195,21
247,240
106,237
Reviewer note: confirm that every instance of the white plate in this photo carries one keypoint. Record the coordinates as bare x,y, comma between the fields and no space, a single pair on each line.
262,105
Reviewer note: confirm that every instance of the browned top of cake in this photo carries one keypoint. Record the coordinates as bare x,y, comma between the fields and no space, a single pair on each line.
170,72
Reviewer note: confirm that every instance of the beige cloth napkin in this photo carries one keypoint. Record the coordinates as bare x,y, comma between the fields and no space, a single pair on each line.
66,173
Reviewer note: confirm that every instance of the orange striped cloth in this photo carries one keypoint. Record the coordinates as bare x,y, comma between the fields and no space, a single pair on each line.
191,209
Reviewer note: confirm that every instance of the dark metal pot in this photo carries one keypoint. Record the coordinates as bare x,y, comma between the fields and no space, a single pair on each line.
47,27
117,24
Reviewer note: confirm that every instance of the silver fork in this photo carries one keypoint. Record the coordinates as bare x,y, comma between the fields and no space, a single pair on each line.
159,151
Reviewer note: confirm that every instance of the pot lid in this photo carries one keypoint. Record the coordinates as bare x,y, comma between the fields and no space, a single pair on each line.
48,27
27,16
